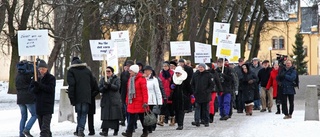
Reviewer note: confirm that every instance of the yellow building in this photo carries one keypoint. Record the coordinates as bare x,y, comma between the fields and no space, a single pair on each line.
278,37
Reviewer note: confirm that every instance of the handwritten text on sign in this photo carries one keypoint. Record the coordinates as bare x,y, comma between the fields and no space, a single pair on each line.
100,47
33,42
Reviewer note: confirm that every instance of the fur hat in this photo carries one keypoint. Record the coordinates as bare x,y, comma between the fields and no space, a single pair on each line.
134,68
173,63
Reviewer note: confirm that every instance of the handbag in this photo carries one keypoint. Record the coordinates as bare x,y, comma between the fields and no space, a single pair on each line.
156,109
149,118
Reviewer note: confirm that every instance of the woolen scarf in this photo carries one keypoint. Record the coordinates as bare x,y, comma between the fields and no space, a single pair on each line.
166,74
132,89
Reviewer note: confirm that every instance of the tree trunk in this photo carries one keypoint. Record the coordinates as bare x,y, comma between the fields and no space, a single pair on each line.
234,19
241,29
91,30
207,13
2,16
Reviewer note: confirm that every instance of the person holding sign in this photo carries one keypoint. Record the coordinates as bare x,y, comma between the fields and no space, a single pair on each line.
44,90
80,79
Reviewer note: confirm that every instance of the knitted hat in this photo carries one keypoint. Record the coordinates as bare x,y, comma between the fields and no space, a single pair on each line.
202,65
134,68
173,63
182,60
42,64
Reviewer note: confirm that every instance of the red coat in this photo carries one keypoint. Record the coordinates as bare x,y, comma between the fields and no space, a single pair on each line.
141,95
166,84
273,82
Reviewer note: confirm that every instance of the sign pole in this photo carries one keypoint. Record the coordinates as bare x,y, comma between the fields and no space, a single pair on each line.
223,64
35,68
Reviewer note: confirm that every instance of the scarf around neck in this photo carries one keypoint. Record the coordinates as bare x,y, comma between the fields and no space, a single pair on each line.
179,80
132,89
166,74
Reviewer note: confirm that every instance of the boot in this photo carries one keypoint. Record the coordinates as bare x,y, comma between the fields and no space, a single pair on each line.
115,133
145,134
211,118
104,132
161,120
247,110
172,121
127,134
278,109
250,108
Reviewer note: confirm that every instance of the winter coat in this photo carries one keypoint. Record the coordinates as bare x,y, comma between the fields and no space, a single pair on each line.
273,82
202,84
166,83
217,83
255,69
235,81
124,77
45,94
238,71
141,96
226,79
189,71
263,76
95,92
248,90
111,105
154,92
180,96
23,83
286,78
80,80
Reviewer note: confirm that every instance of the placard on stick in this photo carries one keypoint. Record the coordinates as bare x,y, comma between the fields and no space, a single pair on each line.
33,42
100,48
202,53
226,45
180,48
219,28
122,42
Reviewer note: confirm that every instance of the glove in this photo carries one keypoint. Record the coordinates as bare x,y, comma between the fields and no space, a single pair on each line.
172,86
145,105
250,81
36,84
236,92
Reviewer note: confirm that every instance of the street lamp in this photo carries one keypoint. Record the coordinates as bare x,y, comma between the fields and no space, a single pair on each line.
270,49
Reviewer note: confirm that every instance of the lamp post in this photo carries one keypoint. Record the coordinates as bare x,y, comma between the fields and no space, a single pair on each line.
270,49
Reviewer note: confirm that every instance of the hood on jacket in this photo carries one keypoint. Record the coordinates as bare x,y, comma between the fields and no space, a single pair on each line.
80,65
248,68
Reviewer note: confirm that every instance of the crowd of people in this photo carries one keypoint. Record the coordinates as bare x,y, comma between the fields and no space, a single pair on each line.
178,88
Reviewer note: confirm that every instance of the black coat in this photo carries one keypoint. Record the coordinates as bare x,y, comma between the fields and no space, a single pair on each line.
264,75
80,80
124,77
95,92
202,84
189,71
248,90
180,96
23,83
111,106
226,79
45,93
217,83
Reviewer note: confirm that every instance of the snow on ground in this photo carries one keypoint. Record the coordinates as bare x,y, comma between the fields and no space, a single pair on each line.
258,125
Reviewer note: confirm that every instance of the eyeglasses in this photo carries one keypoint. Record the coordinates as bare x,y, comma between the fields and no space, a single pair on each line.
178,73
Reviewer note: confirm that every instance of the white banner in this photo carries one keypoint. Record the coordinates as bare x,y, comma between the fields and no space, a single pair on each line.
236,54
180,48
226,45
122,42
218,28
33,42
202,53
100,48
112,60
202,57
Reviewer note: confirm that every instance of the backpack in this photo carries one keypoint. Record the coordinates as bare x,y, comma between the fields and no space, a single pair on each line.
25,67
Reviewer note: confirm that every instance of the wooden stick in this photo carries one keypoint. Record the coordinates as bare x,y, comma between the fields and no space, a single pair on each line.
35,68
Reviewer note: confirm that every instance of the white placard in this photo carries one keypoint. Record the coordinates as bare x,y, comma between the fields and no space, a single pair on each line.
218,28
236,54
202,57
112,60
100,48
180,48
226,45
202,48
33,42
122,42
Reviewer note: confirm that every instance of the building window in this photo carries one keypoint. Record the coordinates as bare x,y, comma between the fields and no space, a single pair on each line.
278,42
250,43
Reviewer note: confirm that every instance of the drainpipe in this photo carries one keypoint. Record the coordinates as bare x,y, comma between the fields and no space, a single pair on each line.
310,58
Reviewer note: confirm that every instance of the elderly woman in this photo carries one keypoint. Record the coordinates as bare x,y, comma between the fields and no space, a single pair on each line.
248,85
273,85
111,111
179,95
136,100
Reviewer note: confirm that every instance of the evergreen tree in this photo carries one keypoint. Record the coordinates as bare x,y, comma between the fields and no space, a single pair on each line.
299,53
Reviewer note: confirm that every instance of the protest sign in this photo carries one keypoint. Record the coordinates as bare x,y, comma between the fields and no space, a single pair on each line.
180,48
202,53
100,48
33,42
226,45
113,60
122,42
236,54
218,28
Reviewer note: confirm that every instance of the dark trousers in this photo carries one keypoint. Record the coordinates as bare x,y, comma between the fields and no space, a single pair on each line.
133,120
44,124
239,101
167,109
179,116
201,112
91,123
285,97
